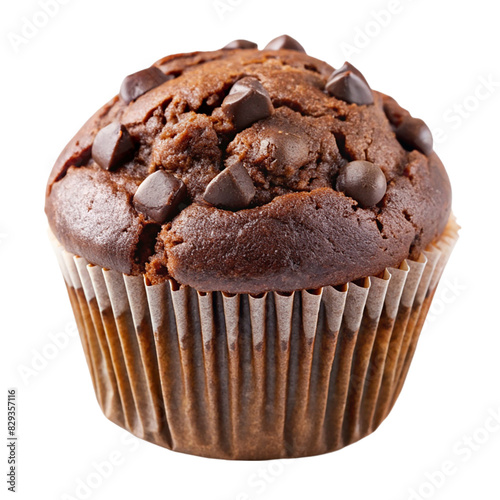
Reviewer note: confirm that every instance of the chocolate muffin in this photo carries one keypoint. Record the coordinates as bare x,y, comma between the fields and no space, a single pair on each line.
253,184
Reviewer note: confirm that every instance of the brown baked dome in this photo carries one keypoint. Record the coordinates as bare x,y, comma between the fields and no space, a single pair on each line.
246,171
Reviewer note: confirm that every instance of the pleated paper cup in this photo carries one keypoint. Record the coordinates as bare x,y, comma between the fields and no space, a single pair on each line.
251,376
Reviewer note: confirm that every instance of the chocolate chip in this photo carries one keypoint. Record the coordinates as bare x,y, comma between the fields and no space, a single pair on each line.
363,181
139,83
393,111
290,150
240,44
247,102
112,146
233,188
348,84
284,42
413,133
159,196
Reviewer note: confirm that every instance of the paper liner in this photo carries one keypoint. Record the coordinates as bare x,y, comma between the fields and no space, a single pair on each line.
251,377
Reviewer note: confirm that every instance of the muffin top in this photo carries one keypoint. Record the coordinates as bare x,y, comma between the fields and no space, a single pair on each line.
245,171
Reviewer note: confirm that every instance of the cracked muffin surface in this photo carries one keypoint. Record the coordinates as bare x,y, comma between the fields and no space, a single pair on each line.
271,137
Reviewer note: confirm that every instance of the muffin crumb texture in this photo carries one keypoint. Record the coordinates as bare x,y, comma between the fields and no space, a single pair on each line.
246,170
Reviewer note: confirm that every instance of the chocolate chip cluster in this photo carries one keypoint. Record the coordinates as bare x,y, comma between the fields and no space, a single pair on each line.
247,102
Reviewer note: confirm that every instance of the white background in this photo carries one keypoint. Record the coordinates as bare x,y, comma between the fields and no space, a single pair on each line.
433,57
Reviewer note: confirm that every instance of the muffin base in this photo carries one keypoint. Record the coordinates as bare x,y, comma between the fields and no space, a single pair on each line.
251,377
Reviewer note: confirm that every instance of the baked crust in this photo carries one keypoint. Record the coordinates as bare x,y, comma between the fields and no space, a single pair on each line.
298,232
